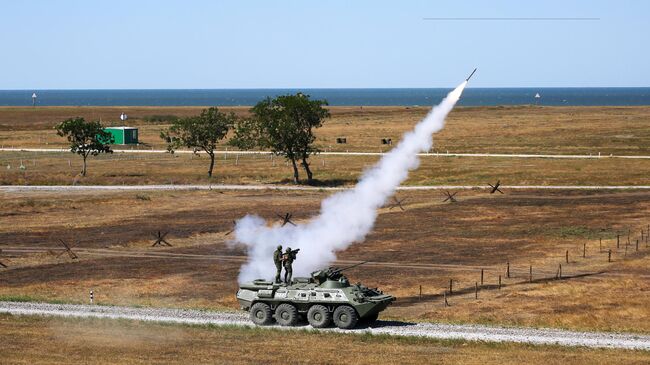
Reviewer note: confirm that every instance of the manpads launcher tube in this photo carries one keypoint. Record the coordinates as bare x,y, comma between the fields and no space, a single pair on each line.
345,217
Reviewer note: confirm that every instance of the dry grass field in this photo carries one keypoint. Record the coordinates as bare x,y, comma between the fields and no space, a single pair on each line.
572,130
63,341
427,245
118,169
512,129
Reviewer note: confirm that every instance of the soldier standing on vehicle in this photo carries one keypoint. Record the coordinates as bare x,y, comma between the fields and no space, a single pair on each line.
287,261
277,259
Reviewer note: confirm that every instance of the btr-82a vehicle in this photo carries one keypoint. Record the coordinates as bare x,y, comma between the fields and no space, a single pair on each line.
324,297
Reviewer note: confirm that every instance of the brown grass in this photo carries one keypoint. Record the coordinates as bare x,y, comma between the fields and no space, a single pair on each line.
415,247
33,340
428,244
579,130
514,129
118,169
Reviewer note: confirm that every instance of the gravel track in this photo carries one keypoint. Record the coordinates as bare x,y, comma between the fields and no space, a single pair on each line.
34,188
393,328
499,155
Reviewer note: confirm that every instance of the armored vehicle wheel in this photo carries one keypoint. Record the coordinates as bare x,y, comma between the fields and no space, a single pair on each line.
261,314
286,315
345,317
318,316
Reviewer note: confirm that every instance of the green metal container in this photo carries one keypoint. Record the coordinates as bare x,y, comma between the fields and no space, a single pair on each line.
123,135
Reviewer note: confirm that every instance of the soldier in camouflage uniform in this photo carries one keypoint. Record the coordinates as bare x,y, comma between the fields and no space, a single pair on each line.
277,259
287,261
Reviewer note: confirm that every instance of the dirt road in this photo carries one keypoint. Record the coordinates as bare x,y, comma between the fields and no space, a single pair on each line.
326,153
392,328
31,188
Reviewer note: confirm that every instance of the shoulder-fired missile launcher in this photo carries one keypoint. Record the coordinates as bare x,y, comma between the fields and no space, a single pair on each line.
325,297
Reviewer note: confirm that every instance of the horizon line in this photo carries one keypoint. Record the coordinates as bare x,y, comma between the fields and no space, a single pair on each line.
327,88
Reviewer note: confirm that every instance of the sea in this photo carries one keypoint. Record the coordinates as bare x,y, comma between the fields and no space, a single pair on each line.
620,96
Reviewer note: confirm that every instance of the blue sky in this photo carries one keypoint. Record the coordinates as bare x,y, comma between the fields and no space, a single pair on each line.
272,44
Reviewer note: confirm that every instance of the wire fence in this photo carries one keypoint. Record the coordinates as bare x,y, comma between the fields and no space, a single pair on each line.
592,258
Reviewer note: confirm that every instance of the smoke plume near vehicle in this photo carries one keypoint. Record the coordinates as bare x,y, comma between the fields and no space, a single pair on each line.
345,217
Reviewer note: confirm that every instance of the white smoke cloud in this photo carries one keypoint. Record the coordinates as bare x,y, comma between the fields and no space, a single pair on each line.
345,217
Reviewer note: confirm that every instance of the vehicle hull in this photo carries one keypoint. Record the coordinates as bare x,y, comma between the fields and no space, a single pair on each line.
367,303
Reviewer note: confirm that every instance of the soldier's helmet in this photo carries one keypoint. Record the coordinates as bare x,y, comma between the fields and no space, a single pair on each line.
280,247
288,249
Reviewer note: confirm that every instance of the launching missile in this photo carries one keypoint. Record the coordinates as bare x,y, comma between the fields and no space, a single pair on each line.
470,75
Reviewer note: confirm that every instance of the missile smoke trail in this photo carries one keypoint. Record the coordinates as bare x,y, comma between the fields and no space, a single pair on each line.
345,217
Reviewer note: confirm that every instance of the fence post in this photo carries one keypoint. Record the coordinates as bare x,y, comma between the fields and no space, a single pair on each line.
637,245
481,277
567,256
560,271
618,241
499,282
508,270
609,256
476,290
584,250
530,277
420,292
451,288
600,245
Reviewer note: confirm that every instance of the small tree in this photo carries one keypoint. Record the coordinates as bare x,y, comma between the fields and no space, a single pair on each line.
86,138
201,133
284,125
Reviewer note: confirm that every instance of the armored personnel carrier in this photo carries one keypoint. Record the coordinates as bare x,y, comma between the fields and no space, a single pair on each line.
325,297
